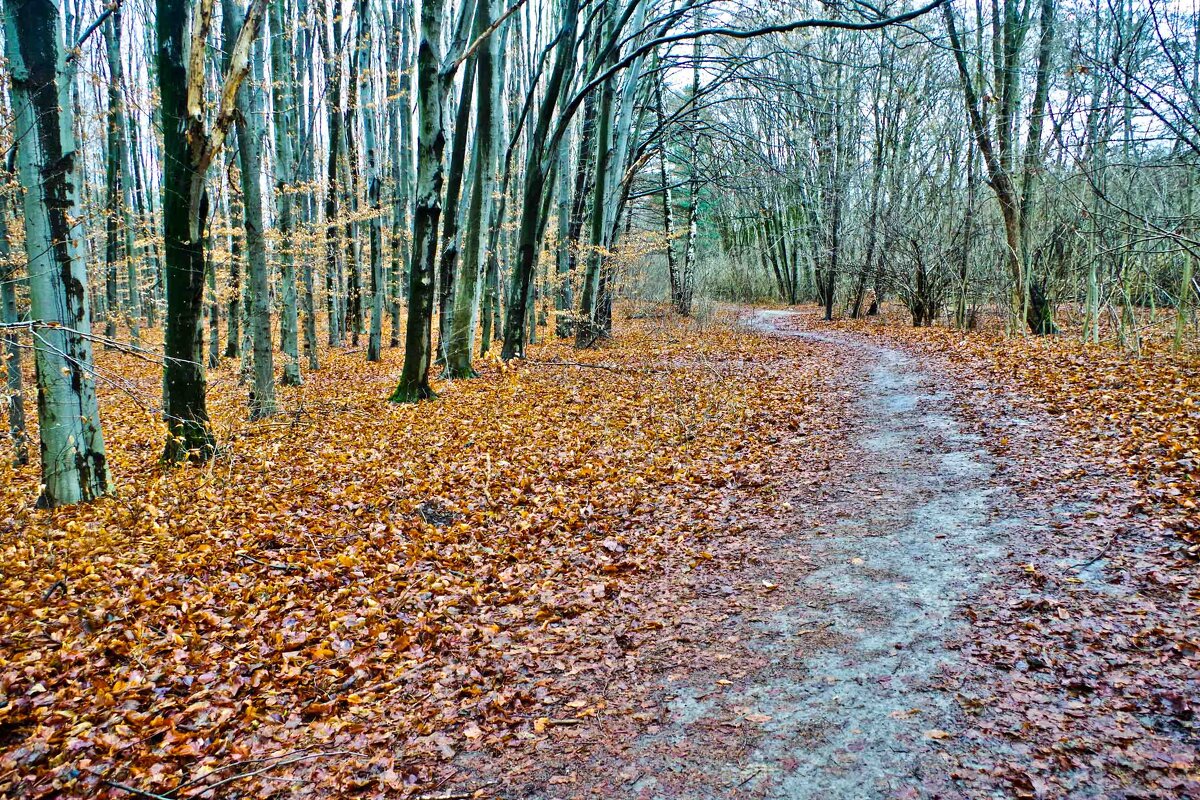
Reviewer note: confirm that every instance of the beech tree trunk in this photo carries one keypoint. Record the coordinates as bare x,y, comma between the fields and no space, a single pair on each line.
538,166
400,123
448,265
115,124
286,132
375,198
9,315
464,310
432,89
189,147
251,138
434,81
74,467
333,78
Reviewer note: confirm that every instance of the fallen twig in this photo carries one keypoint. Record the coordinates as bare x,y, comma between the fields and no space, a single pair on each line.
463,795
1103,552
555,362
304,757
271,564
138,792
744,781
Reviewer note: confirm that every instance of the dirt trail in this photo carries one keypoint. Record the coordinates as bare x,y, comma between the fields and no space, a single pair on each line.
841,683
861,719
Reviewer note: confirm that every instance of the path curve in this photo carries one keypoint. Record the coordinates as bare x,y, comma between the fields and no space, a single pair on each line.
867,717
841,684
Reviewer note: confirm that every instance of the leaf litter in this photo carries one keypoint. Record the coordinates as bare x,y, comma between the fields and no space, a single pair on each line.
354,593
554,570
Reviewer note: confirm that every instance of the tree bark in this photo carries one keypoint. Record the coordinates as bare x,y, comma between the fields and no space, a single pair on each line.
435,78
448,265
114,175
10,315
432,88
333,78
375,198
189,147
539,163
466,301
286,132
400,122
251,137
74,467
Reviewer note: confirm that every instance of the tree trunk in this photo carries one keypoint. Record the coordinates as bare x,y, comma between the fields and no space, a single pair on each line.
586,328
432,89
233,331
188,149
114,175
333,78
251,136
673,276
286,132
353,313
213,306
466,301
400,123
148,281
74,467
374,197
538,163
687,280
448,264
564,297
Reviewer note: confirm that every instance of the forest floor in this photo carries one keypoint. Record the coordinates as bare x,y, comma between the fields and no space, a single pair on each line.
769,557
966,604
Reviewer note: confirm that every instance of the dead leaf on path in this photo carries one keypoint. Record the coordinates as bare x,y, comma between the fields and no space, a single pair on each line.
904,713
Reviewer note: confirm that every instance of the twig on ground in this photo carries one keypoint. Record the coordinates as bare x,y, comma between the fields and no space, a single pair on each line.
462,795
304,757
1103,552
744,781
54,587
271,564
555,362
138,792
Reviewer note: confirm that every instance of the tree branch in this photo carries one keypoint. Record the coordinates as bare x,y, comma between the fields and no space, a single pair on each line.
239,68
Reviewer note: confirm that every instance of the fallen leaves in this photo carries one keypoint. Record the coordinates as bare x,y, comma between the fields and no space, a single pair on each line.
384,585
1136,413
1083,653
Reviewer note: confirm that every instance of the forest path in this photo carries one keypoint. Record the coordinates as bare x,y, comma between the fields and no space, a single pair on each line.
840,683
910,525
